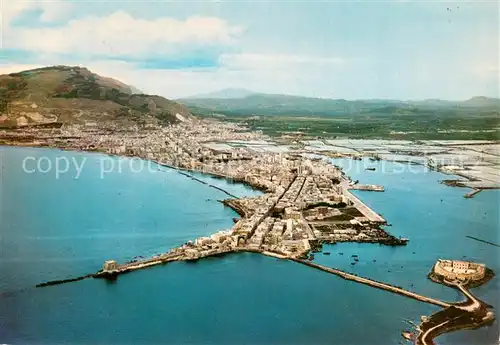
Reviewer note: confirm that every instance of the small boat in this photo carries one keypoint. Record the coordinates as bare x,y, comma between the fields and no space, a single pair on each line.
407,335
370,169
326,253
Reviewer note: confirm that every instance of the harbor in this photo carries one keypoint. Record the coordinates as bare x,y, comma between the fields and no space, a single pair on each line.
470,313
307,206
306,202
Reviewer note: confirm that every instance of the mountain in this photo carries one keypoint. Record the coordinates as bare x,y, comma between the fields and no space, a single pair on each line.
65,94
483,101
276,104
224,94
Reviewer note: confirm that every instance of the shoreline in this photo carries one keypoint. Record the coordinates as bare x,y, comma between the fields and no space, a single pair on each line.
474,189
457,183
294,188
180,170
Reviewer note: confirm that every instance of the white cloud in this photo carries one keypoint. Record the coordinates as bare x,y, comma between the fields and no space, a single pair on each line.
120,34
290,74
50,11
264,73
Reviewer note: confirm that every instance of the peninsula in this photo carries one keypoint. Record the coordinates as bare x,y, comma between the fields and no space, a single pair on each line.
306,201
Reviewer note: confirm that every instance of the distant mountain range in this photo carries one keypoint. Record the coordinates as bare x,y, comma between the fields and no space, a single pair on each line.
245,102
65,94
225,94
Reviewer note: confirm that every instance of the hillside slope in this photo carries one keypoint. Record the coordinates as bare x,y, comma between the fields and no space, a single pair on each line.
64,94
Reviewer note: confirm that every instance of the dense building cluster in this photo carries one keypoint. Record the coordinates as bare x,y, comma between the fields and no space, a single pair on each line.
305,202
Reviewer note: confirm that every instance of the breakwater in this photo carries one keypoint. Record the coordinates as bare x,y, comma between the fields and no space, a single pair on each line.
470,313
129,267
373,283
64,281
472,193
208,184
484,241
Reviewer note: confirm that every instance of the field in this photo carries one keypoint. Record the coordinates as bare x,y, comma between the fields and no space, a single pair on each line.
405,127
476,118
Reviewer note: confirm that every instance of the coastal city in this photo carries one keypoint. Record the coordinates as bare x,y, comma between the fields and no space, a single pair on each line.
249,172
306,202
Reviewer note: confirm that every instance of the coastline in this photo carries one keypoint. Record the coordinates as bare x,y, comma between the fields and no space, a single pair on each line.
457,183
176,168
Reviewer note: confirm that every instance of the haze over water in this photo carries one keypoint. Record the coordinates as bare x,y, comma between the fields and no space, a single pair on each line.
60,228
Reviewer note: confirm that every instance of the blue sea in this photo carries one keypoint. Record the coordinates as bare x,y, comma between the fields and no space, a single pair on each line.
61,225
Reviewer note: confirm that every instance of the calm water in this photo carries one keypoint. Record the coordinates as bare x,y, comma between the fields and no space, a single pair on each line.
57,228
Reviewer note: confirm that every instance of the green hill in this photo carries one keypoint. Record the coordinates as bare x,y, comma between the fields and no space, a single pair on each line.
65,94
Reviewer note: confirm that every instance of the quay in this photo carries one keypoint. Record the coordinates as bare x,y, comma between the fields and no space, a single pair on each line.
368,187
363,208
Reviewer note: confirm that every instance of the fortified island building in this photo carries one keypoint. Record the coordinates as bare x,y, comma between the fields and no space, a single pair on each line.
459,270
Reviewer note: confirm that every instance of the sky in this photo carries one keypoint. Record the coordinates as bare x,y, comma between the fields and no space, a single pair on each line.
348,49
